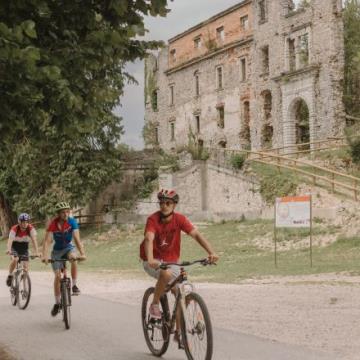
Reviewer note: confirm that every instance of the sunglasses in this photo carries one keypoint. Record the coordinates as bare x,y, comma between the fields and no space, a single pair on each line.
167,203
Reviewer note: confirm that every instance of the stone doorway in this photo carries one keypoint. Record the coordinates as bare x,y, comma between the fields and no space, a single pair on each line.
300,114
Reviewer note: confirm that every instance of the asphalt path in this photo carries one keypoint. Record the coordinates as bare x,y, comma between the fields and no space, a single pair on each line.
106,330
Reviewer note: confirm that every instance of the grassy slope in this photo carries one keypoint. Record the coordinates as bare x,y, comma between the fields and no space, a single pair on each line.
240,257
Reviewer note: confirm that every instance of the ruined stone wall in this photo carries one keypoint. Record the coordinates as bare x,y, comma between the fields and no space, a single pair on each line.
312,74
209,192
183,44
318,83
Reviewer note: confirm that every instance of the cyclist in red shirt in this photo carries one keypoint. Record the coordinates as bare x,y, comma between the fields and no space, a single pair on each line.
18,244
162,244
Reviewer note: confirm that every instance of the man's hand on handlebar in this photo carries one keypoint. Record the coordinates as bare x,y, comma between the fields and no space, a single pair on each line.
213,258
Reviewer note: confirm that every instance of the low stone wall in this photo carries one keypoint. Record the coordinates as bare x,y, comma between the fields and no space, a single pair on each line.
209,192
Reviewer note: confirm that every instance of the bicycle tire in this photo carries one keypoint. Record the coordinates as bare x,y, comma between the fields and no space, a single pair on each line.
65,306
165,332
23,294
202,328
13,290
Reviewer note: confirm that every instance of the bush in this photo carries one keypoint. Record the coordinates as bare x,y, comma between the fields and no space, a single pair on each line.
354,143
279,185
237,161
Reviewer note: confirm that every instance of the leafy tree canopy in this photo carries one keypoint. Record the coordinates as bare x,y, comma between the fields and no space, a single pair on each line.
61,76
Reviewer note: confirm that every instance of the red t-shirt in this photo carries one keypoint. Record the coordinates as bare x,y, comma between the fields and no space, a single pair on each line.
166,246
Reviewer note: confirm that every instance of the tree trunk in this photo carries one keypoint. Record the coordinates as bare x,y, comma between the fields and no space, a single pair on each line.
7,216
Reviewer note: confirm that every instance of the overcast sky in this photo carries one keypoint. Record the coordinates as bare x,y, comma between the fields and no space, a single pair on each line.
184,14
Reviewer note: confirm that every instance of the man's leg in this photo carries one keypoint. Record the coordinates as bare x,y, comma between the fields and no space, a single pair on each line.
57,279
26,265
165,277
74,273
12,267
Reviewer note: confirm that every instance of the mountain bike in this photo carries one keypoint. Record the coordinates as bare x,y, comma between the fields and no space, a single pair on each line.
20,288
65,292
196,330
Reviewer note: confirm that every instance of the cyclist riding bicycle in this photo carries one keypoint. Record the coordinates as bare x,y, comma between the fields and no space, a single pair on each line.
162,244
18,244
62,230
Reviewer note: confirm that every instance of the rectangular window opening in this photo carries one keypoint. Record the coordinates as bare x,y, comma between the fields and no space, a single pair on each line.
262,10
220,34
292,54
172,131
197,120
197,43
171,95
265,59
243,69
244,22
221,117
219,75
197,85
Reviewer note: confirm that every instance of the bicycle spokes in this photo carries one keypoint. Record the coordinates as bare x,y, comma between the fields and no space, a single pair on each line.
24,290
196,328
157,332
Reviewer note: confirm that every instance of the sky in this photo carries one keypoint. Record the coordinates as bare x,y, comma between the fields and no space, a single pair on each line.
184,14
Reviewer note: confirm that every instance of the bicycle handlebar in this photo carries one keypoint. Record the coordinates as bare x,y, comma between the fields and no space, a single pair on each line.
203,262
51,261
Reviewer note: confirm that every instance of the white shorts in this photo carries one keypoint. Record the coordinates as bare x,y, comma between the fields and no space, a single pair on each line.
175,271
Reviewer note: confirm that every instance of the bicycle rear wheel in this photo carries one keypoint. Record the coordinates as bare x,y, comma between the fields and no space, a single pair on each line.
156,332
24,290
65,305
196,329
13,290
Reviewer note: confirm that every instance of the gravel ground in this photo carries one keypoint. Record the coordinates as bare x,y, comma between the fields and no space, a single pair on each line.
320,312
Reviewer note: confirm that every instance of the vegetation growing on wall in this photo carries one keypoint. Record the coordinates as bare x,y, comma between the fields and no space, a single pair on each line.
276,186
352,57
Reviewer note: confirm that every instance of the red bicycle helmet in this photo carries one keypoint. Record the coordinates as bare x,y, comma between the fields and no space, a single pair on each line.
168,195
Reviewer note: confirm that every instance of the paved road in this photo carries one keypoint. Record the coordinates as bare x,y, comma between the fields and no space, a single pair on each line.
108,330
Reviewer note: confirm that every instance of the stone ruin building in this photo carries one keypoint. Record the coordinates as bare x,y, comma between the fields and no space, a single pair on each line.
261,74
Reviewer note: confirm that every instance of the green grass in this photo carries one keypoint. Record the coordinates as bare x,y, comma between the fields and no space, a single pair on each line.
234,241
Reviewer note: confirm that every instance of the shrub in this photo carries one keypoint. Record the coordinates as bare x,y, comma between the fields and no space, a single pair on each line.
354,143
237,161
279,185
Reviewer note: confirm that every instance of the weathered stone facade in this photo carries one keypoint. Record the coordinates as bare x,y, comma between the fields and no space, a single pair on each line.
249,76
210,192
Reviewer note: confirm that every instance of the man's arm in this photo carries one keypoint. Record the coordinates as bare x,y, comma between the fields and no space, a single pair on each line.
9,244
195,234
47,242
78,243
35,243
149,249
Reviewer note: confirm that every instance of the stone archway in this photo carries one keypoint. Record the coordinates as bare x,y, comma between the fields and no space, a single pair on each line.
300,116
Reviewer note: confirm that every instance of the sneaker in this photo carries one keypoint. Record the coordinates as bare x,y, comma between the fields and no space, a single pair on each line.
155,312
9,280
75,290
55,310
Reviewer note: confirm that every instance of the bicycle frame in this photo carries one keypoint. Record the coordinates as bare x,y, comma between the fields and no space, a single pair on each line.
179,298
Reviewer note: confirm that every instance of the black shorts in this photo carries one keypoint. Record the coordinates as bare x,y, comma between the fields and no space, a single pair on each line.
20,249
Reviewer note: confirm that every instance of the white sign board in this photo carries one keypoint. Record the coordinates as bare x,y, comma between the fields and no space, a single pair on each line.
293,211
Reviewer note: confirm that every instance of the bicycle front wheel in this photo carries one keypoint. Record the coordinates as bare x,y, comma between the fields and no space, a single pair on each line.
156,332
65,305
196,329
13,290
24,290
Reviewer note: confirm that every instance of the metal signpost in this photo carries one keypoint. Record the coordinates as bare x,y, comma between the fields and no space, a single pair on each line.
293,212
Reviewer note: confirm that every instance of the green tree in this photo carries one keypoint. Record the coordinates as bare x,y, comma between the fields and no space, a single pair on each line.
61,76
352,57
